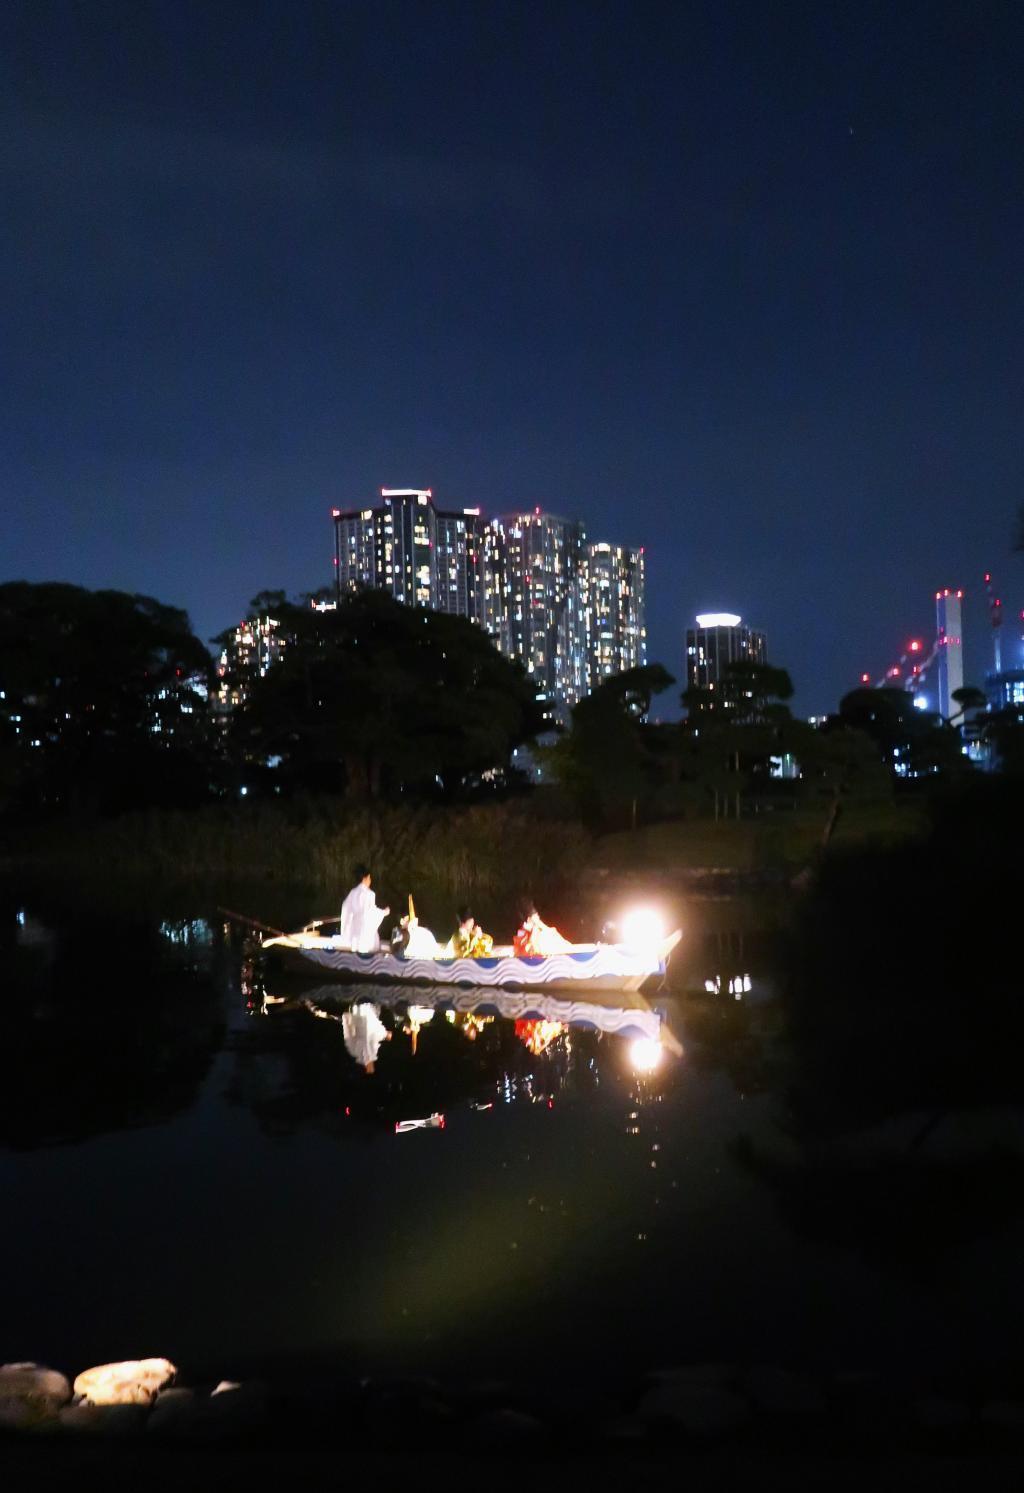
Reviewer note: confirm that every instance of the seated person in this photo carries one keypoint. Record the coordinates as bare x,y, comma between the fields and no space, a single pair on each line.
537,939
469,941
413,940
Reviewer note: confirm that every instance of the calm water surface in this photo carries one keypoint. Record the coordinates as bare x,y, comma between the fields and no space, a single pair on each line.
187,1170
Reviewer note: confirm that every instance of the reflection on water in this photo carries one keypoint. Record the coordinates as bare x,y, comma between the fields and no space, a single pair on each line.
102,1033
425,1051
490,1167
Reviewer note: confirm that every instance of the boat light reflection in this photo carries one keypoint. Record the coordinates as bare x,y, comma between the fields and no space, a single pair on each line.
645,1054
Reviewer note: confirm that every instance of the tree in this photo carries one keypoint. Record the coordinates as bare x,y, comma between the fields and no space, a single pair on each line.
747,694
735,728
377,697
605,761
104,698
913,743
968,697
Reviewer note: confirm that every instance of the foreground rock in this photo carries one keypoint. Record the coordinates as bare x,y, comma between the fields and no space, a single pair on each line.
135,1382
30,1395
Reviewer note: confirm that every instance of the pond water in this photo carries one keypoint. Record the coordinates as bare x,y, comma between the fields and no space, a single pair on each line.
193,1163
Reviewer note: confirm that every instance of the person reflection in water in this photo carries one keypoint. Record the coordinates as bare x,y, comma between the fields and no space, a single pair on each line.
360,916
364,1032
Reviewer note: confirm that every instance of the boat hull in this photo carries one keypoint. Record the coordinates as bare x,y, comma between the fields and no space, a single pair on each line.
605,968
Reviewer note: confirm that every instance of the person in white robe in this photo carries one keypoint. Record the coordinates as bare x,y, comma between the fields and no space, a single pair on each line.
363,1032
361,917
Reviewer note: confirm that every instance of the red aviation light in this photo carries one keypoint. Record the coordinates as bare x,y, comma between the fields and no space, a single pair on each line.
865,679
914,647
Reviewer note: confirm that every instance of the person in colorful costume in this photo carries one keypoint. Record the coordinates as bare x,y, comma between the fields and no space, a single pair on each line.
469,941
536,939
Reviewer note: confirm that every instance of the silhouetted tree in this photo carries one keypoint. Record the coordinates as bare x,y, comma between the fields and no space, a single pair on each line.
605,762
378,697
104,699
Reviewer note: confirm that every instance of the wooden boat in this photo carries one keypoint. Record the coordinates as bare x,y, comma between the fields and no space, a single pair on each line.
585,968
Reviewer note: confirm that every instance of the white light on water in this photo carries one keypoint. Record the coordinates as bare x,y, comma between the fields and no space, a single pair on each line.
645,1054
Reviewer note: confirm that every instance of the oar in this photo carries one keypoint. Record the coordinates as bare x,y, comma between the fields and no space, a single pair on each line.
240,917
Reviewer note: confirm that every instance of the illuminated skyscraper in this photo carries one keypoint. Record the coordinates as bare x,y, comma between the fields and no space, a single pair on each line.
545,595
720,639
252,648
950,657
615,610
572,613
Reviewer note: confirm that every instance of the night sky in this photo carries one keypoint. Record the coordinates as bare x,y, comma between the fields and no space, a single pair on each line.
742,283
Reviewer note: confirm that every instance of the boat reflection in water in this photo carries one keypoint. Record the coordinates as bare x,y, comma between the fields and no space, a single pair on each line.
411,1064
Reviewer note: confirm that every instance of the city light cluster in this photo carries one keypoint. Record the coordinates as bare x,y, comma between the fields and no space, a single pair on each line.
570,610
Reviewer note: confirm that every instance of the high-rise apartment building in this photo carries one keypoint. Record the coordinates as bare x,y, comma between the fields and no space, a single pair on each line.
252,648
720,639
572,613
615,607
546,600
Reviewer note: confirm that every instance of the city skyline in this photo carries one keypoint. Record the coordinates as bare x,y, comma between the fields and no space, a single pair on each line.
723,298
570,609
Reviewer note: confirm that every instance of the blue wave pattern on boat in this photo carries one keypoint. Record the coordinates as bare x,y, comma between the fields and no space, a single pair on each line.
609,960
516,1005
528,1005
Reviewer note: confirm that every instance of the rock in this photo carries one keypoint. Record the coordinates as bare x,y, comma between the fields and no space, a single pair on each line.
934,1413
777,1391
103,1420
232,1409
134,1382
173,1407
699,1409
30,1395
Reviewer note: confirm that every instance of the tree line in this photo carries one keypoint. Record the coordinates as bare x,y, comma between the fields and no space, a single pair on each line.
108,701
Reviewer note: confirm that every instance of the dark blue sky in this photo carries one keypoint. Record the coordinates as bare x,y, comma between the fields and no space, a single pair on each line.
739,282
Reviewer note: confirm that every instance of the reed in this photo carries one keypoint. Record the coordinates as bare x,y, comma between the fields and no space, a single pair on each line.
464,851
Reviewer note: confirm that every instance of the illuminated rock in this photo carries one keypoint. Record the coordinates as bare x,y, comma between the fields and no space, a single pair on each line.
30,1394
135,1382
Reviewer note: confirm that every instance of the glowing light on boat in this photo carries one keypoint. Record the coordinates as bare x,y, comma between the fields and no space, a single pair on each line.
643,928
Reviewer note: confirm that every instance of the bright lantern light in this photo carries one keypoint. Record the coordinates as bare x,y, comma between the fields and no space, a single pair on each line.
642,927
921,702
645,1054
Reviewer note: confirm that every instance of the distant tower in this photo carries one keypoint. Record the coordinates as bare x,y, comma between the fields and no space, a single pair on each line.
995,607
720,639
949,635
